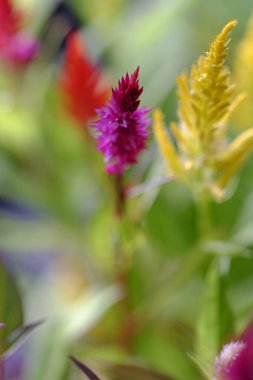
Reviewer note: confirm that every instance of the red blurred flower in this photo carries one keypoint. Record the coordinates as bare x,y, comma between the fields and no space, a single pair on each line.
15,45
10,19
82,83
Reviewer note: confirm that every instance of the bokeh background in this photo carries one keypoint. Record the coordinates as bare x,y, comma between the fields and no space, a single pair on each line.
59,237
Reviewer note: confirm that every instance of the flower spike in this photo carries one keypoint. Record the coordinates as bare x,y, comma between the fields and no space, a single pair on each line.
227,365
200,153
235,359
122,128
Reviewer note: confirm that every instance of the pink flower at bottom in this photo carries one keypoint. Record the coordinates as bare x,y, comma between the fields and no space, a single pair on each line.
235,361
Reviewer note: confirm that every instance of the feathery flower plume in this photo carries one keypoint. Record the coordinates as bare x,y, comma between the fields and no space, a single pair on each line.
244,77
15,45
81,82
202,156
122,127
227,365
235,360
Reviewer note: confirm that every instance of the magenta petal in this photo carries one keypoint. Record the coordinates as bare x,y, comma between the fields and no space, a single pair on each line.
228,364
235,361
122,131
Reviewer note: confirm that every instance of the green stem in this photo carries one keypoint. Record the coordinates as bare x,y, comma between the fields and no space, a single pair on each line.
203,216
123,255
120,197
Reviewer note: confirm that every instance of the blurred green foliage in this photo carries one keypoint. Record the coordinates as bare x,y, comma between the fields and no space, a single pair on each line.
59,237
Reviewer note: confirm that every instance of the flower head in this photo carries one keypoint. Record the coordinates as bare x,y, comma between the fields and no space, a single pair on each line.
227,364
122,127
235,360
203,157
81,81
15,45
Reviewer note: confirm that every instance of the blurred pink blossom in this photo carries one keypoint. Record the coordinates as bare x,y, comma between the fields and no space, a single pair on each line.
16,46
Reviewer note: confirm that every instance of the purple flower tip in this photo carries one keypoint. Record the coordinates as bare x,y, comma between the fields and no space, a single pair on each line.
122,127
2,324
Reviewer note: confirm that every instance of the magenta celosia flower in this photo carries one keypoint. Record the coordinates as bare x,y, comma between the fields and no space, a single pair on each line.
235,361
122,127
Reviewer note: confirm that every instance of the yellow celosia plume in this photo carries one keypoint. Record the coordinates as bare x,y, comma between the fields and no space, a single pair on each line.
197,150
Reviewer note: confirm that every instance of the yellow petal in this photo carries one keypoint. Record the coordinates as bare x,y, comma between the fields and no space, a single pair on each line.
233,106
182,138
233,157
228,173
165,145
186,111
238,148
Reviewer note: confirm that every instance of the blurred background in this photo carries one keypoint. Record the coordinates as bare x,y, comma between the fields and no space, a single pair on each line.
59,238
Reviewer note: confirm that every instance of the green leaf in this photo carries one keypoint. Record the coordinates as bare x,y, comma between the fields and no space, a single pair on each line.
165,354
215,321
208,324
165,233
11,312
132,372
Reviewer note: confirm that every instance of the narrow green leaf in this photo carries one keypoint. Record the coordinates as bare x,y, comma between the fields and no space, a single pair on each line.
162,352
226,315
215,320
208,325
10,306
